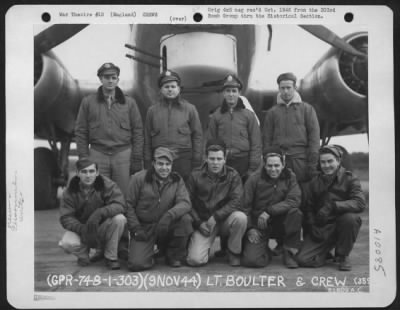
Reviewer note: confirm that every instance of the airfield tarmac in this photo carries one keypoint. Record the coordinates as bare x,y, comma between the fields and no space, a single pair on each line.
56,271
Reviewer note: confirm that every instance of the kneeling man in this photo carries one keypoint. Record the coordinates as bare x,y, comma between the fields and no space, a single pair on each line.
272,197
216,191
332,200
157,207
92,210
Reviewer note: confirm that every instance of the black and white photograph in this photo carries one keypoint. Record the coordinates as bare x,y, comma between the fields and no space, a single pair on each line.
218,155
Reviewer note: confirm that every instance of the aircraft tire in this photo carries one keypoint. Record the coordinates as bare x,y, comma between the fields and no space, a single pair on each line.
45,171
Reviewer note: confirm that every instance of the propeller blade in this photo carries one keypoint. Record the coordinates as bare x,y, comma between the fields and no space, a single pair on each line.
330,37
54,35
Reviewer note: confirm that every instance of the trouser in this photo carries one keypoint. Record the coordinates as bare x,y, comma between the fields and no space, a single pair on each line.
299,164
174,244
286,227
240,164
199,245
342,237
183,164
109,234
116,167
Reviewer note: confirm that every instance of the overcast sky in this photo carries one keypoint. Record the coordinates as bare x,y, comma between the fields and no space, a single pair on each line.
293,49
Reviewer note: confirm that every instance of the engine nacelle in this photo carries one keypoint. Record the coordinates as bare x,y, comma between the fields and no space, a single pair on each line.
339,84
57,96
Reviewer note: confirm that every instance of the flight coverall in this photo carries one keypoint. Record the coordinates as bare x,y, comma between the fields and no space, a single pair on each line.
77,207
331,215
148,201
219,197
295,129
280,198
176,126
241,133
115,135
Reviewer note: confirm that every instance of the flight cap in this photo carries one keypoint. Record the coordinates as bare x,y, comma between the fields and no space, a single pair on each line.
84,163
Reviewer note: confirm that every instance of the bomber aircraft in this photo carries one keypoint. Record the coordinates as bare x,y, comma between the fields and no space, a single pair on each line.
337,85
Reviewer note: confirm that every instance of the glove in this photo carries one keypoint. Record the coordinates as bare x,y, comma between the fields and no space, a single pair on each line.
325,213
204,230
163,225
262,222
140,235
254,235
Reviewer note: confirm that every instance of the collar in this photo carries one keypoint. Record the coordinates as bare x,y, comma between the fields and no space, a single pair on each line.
151,176
177,101
339,175
84,188
161,181
296,99
225,108
74,185
118,95
112,94
222,175
285,174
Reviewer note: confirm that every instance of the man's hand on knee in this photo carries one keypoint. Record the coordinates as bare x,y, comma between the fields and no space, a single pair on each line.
204,229
262,222
254,235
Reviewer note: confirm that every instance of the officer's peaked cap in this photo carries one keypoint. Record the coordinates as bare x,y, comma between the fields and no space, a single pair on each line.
168,76
108,68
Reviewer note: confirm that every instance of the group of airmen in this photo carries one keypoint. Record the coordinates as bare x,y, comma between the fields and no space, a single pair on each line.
143,192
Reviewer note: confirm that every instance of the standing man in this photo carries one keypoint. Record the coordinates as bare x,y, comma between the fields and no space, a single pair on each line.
216,193
293,126
238,128
157,211
333,199
92,210
110,123
174,123
272,198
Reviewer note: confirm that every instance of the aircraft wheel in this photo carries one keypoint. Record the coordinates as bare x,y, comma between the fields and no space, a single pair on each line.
45,172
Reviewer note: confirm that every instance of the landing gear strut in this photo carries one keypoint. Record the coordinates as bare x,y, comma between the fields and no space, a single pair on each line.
51,171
